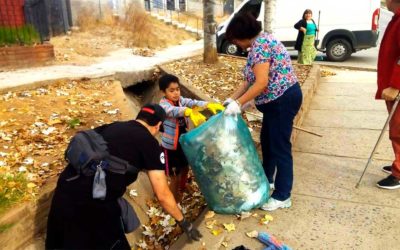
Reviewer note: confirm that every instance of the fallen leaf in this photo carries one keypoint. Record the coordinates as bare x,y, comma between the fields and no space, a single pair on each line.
216,232
266,219
133,193
210,224
229,227
31,185
11,184
22,169
224,243
48,131
209,214
55,121
244,215
252,234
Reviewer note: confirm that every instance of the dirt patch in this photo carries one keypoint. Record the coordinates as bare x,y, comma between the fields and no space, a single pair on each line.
96,39
219,80
36,126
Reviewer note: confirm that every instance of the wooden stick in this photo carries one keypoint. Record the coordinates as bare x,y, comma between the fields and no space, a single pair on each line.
295,127
307,131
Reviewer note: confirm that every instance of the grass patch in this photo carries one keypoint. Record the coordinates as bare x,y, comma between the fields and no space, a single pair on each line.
13,188
5,227
24,35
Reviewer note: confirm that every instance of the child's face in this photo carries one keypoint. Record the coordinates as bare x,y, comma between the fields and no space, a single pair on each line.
173,92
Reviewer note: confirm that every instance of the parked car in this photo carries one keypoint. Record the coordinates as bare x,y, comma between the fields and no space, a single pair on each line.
346,26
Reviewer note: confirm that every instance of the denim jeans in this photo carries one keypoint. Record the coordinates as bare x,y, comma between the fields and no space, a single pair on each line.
276,131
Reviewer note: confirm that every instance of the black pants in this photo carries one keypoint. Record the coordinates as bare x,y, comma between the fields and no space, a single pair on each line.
77,221
276,131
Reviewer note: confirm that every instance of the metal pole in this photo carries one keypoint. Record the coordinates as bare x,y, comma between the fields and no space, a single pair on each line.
380,138
101,15
319,18
197,28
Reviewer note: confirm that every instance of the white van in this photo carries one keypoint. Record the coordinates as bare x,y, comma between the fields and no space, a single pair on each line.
346,26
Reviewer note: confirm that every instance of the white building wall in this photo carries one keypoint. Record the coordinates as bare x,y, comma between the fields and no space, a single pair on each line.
98,6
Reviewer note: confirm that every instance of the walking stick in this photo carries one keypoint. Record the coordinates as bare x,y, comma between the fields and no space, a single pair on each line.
380,137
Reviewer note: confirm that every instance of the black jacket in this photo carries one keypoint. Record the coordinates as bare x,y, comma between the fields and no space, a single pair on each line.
76,220
300,35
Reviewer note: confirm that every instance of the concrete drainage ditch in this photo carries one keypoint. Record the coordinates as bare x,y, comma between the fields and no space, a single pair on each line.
27,222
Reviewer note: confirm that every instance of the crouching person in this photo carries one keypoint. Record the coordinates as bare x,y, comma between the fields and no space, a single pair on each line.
86,210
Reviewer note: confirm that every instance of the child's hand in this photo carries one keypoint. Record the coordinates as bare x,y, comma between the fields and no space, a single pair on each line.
196,117
215,107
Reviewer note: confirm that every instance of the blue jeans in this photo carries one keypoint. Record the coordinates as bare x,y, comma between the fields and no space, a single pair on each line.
276,131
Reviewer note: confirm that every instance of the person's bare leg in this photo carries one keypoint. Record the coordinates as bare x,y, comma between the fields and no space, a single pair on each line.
184,179
174,186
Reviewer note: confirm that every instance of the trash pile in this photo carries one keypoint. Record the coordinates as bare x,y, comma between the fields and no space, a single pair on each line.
226,165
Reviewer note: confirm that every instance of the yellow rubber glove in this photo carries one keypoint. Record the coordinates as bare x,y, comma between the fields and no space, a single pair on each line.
215,107
196,117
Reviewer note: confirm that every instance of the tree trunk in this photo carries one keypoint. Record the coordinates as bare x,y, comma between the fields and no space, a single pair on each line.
210,28
269,12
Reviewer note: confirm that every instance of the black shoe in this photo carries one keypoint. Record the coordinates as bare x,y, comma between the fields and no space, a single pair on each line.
389,182
387,169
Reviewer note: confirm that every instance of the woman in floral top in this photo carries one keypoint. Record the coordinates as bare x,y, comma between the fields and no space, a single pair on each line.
269,80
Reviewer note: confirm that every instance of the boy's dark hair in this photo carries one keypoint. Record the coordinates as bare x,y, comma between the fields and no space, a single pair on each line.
243,26
166,80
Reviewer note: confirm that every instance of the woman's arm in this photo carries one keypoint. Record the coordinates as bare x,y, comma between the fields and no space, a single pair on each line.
300,26
240,91
261,72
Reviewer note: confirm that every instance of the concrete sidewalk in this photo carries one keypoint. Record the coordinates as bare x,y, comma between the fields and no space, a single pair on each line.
328,212
118,62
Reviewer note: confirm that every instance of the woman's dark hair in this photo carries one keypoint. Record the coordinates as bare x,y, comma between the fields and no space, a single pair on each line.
243,26
307,11
166,80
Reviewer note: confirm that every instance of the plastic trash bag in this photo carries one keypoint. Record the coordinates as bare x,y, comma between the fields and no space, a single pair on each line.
226,164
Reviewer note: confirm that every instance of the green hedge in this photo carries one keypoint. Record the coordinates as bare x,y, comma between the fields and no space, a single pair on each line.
24,35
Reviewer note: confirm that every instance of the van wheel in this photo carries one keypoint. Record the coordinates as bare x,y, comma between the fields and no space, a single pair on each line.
338,50
230,49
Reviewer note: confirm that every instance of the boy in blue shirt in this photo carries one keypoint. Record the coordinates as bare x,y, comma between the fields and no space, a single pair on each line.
178,109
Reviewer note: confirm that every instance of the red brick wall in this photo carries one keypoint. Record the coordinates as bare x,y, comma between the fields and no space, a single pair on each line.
25,56
12,13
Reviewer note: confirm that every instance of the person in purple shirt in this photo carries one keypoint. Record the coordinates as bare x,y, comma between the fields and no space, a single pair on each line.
271,81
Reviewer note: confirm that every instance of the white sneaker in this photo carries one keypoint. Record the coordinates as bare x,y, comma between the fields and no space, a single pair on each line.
271,186
273,204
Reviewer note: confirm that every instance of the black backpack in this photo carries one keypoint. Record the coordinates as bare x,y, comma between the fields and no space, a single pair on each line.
88,154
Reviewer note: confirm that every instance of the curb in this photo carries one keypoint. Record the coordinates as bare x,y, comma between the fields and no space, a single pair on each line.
343,67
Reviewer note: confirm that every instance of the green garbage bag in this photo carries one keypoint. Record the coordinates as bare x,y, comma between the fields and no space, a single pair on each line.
226,165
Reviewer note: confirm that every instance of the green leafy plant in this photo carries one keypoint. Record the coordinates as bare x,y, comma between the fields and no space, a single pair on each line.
74,122
24,35
5,227
13,188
